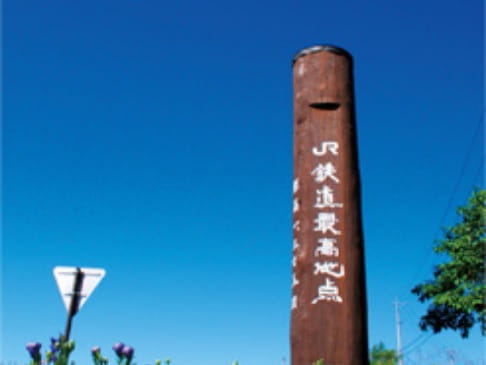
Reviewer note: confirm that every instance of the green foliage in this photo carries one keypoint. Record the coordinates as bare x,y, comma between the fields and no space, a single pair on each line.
458,289
98,359
319,362
381,356
64,351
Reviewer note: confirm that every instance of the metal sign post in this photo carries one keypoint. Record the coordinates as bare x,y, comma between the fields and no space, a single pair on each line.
76,296
329,298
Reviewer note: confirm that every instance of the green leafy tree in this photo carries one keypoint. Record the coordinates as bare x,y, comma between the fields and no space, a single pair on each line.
379,355
458,289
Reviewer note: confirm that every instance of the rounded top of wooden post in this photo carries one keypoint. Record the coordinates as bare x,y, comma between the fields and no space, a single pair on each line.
322,48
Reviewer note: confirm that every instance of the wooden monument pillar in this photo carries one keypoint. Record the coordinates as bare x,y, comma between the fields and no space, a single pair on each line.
328,288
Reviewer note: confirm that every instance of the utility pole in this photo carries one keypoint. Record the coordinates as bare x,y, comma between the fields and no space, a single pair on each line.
399,337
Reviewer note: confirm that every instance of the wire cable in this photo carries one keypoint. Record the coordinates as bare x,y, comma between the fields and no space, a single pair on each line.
465,163
420,344
412,343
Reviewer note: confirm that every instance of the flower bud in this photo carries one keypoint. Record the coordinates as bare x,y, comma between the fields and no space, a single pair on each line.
127,351
118,347
34,349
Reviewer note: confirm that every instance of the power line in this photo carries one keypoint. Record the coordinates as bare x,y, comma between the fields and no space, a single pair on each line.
418,345
451,198
463,167
408,313
412,311
476,175
420,340
412,343
411,316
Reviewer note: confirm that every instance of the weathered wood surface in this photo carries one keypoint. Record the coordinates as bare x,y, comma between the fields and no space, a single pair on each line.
329,298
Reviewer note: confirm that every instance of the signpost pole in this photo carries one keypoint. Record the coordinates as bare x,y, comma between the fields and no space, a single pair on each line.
328,318
77,287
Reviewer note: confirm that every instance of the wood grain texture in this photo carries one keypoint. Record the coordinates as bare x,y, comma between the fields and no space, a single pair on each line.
328,318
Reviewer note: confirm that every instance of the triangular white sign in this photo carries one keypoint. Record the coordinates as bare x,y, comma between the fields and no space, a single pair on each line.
65,279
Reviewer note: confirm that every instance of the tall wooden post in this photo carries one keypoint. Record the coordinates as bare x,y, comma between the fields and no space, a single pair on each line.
329,296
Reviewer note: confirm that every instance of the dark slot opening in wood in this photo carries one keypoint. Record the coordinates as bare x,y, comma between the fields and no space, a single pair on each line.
324,106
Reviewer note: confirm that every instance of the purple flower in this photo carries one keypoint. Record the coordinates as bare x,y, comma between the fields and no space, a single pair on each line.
118,347
54,344
127,351
95,350
33,348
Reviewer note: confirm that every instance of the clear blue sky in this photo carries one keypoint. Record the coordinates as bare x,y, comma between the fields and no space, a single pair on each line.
154,139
